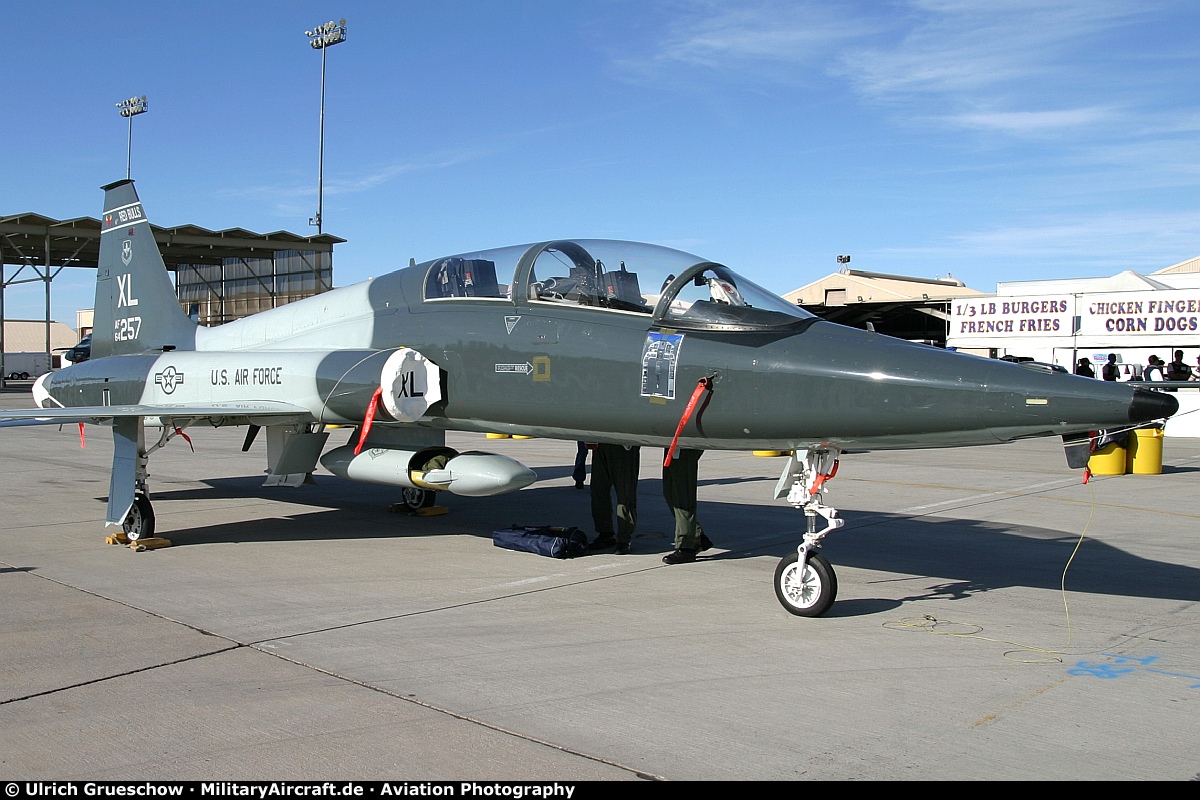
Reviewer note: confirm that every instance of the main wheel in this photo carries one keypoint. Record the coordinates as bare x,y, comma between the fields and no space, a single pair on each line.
416,499
808,595
139,522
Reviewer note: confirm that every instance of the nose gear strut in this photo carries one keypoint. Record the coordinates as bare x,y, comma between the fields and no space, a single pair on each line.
804,581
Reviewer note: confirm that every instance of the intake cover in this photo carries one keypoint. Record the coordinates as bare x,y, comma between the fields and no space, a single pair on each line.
411,384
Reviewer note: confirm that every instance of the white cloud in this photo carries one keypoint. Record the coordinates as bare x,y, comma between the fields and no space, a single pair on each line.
286,198
772,32
369,181
953,47
1026,122
1011,66
729,38
1111,238
914,46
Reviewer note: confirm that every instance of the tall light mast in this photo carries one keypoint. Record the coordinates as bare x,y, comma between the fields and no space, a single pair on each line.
131,108
320,38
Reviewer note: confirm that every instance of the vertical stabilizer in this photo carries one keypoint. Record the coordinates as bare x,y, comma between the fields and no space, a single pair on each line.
136,308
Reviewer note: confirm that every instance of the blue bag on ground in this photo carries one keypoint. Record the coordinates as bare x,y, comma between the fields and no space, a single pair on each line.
545,540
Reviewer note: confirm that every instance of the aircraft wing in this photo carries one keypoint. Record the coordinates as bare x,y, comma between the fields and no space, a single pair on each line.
217,412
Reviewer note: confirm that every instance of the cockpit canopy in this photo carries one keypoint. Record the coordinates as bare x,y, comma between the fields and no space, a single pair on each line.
674,288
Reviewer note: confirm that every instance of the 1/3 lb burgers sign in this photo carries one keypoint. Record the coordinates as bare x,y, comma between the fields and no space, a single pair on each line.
1013,316
1166,313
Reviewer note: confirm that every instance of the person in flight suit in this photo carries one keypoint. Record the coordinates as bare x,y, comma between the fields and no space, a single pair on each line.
679,490
614,467
579,474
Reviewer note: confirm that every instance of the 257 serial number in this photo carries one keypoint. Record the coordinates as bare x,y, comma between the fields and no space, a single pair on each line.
126,329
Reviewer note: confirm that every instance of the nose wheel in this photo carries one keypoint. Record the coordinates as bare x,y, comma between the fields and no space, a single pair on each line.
808,590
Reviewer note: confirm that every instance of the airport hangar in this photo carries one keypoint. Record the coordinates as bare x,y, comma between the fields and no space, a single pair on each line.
220,275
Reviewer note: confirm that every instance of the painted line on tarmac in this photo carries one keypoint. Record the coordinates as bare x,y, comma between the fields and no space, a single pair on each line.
987,495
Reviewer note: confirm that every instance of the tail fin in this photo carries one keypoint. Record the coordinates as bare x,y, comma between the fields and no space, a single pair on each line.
136,307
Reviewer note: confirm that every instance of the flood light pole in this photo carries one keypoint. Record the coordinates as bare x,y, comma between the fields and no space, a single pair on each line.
131,108
320,38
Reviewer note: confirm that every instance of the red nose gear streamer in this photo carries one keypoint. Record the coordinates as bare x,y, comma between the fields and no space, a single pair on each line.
368,420
82,441
821,478
186,438
702,386
1092,439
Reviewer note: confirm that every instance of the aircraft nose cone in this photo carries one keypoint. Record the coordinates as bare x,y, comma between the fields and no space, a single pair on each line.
1150,405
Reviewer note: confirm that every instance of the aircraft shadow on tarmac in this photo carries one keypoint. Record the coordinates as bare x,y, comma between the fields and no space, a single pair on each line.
551,473
971,556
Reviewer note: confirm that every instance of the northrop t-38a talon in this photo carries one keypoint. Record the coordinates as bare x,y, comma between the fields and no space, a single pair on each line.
582,340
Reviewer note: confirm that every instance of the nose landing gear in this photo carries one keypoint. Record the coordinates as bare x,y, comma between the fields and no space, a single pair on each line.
805,583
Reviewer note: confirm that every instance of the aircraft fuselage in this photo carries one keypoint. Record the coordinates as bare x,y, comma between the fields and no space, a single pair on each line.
581,372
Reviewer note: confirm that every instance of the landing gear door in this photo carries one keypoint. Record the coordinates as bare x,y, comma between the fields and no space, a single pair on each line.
129,447
292,453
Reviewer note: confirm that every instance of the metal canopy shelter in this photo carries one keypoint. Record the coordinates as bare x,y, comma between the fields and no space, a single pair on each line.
914,320
41,247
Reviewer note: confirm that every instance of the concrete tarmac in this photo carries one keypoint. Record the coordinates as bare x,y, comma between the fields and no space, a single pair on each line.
308,633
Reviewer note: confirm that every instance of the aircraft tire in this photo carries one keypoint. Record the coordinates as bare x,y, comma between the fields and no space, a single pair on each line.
139,522
416,499
812,596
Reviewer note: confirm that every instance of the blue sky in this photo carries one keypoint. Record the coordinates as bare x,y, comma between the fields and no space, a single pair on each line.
1004,140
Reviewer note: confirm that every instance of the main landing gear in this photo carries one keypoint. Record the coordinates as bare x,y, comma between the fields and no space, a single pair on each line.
804,580
139,522
413,500
129,488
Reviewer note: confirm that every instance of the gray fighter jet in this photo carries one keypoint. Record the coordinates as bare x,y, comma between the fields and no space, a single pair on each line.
599,341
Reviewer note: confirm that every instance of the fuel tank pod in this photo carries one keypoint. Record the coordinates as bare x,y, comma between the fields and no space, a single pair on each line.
436,468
